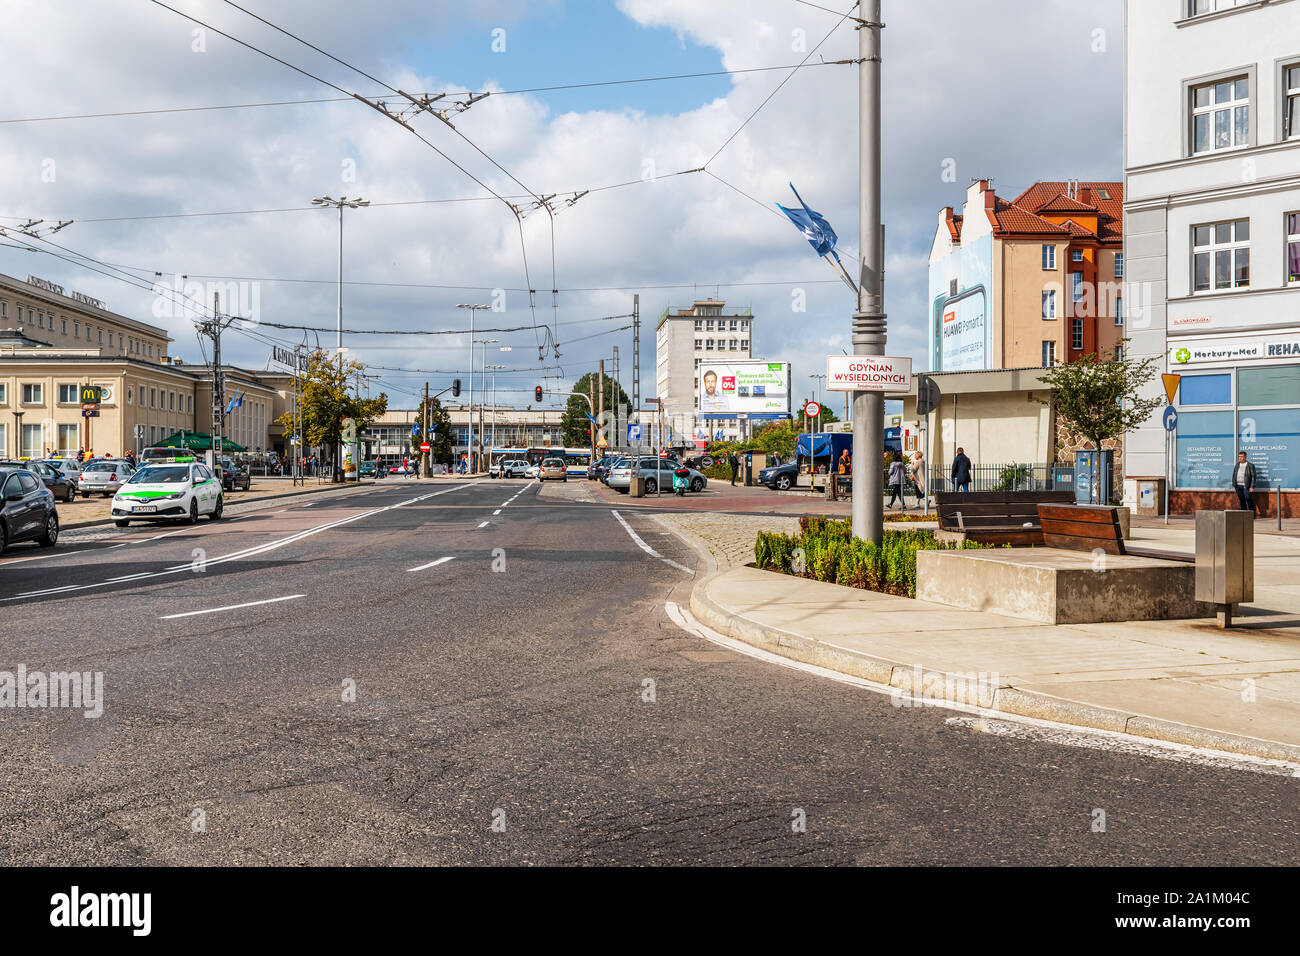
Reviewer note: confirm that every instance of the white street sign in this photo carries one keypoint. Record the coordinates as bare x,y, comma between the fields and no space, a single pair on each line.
868,373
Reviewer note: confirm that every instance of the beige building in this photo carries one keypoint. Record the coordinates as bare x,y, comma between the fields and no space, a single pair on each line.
684,340
1032,281
52,342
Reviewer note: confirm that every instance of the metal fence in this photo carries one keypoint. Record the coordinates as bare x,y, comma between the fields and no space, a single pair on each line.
1018,476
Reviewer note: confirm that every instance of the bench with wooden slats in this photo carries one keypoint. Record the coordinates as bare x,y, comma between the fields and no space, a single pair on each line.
996,517
1093,528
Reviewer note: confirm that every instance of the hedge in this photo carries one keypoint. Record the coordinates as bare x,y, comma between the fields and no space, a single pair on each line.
825,550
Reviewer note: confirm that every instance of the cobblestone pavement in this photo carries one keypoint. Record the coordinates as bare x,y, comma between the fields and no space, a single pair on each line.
728,538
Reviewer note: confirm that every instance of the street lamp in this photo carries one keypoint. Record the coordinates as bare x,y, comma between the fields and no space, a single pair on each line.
494,369
339,204
472,310
482,383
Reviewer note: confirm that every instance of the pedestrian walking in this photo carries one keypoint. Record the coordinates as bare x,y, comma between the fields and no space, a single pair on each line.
917,471
897,482
734,462
845,464
1243,482
961,471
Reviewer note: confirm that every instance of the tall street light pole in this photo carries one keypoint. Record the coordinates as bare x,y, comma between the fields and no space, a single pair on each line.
869,320
469,446
339,204
482,382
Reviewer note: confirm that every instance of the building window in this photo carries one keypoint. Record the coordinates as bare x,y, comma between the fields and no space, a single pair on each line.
708,326
63,319
699,344
1197,7
4,397
1049,354
153,398
1049,257
1221,256
171,401
68,439
1049,303
744,325
1076,255
733,325
68,395
697,363
1221,115
1076,286
1293,248
32,395
32,441
1119,310
1119,265
708,345
1076,335
734,345
76,330
744,345
1291,102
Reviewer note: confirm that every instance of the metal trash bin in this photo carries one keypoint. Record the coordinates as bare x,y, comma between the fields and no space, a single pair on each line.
1225,560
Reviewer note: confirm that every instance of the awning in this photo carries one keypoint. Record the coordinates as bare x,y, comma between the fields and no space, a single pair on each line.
196,441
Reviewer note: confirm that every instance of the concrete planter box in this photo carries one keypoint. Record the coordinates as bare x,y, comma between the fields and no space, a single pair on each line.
1052,586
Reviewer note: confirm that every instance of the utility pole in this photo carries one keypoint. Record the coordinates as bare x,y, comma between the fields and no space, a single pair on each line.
591,401
424,433
470,443
869,325
636,357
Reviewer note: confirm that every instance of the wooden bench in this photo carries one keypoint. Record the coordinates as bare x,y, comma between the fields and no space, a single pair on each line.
1093,528
996,517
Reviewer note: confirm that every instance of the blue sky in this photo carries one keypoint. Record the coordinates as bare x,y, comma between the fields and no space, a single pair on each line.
566,43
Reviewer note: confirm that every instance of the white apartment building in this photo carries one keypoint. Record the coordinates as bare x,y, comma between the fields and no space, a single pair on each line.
1212,238
684,340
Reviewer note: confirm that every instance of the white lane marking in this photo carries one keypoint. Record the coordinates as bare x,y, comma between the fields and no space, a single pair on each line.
497,512
309,504
646,548
232,607
433,564
36,557
236,555
483,525
986,720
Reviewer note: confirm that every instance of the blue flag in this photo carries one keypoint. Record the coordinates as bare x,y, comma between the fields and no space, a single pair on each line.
235,402
813,225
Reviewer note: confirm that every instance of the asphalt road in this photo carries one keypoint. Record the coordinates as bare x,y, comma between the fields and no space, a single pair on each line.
525,700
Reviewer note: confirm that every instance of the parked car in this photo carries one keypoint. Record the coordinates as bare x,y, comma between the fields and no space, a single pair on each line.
27,509
553,468
609,467
509,468
70,467
780,477
657,472
533,471
234,475
62,485
104,476
597,471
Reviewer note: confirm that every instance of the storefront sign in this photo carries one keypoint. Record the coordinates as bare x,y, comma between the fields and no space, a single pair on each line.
1224,351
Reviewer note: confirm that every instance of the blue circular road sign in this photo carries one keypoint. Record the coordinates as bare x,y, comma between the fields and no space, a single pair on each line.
1171,418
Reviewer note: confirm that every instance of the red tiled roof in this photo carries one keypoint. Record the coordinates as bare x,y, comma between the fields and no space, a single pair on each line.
1041,196
1009,217
1063,203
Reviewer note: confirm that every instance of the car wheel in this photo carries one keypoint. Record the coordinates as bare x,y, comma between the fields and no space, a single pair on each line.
69,496
651,486
216,512
50,537
122,524
697,484
107,494
85,494
194,511
4,540
783,483
248,483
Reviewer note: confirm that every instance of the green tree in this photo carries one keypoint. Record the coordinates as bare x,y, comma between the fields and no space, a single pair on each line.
575,426
439,431
827,415
325,400
1098,397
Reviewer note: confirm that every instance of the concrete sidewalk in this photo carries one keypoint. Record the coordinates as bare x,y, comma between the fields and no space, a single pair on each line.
1181,681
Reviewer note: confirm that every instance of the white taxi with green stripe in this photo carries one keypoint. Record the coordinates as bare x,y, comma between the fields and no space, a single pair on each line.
172,489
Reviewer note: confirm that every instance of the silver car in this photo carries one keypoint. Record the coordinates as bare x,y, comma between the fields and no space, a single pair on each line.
657,472
103,476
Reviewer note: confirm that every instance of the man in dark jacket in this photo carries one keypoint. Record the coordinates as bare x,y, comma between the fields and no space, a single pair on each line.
1243,482
734,462
961,471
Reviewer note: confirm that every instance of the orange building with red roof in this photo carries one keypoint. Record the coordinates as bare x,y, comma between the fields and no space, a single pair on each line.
1031,281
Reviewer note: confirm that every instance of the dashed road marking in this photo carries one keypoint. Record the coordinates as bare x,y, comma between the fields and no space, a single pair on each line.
433,564
232,607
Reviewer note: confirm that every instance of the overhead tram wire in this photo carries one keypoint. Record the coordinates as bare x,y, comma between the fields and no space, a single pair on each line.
164,110
340,89
424,107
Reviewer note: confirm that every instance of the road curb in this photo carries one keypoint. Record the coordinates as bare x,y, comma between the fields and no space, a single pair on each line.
967,689
99,522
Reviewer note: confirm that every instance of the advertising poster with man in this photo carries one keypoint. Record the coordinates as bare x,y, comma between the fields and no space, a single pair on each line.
753,389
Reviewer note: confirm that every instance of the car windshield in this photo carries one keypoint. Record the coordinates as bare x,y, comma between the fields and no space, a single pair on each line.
553,463
162,475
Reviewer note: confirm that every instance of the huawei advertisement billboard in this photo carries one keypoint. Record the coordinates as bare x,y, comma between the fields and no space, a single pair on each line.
744,390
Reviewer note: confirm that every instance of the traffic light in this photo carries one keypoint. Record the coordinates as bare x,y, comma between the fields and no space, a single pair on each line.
537,393
455,387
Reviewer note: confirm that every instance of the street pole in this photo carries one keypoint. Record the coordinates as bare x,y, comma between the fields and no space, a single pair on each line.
869,325
424,433
218,389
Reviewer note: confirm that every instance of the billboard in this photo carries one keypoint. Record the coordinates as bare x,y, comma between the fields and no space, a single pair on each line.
743,389
961,333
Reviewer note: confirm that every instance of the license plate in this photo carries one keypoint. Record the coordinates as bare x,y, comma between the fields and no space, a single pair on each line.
144,508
